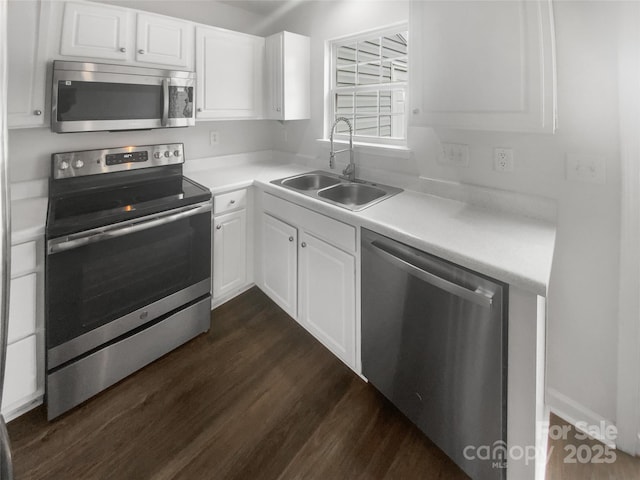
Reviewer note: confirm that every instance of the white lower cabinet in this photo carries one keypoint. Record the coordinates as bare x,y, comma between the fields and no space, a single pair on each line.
327,295
280,263
308,268
229,252
24,369
22,307
21,373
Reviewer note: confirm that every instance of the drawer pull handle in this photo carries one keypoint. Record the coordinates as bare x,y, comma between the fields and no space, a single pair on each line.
218,227
232,202
291,239
123,50
304,244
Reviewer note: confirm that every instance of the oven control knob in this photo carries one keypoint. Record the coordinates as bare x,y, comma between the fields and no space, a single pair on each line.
167,153
157,155
176,153
63,165
78,164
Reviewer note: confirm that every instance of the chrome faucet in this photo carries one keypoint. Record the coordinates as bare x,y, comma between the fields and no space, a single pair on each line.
350,171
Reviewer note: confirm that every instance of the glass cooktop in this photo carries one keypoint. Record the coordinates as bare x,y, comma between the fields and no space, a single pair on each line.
85,210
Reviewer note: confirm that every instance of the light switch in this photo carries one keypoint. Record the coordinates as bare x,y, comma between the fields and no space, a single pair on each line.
455,154
585,168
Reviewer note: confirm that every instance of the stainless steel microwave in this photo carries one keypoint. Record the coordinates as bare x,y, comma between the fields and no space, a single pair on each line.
89,97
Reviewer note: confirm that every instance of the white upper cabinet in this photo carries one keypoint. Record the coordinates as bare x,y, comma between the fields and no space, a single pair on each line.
287,77
164,40
96,31
101,32
483,65
27,38
230,72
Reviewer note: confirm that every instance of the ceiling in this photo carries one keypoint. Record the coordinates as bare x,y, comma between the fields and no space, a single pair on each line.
262,7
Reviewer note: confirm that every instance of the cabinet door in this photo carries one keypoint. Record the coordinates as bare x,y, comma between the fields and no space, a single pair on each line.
21,373
229,252
229,67
22,307
287,77
164,41
280,263
27,37
96,31
327,296
274,105
296,73
483,65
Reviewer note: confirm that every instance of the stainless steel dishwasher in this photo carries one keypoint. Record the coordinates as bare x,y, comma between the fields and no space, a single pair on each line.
434,342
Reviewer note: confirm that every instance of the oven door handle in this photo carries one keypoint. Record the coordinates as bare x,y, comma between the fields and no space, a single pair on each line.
105,233
165,102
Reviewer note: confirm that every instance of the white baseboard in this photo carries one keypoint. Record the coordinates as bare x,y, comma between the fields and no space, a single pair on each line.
575,413
216,302
15,411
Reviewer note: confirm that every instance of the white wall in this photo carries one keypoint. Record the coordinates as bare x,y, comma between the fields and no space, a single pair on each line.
30,149
583,308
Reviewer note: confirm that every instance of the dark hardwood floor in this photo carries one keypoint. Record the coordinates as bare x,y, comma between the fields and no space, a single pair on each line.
571,458
255,398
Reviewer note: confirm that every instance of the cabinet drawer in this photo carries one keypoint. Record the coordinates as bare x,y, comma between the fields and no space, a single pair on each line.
326,228
21,372
23,258
22,307
227,202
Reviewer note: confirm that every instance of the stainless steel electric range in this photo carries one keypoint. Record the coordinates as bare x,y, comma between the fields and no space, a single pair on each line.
128,266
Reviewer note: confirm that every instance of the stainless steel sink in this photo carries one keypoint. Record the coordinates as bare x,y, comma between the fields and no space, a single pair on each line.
337,190
352,194
310,181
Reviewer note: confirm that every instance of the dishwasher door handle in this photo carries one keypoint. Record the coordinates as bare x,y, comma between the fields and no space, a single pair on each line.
478,296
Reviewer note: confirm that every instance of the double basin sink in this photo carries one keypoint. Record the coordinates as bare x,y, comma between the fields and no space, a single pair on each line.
353,195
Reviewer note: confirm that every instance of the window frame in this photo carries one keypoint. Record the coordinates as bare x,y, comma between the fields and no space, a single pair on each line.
332,89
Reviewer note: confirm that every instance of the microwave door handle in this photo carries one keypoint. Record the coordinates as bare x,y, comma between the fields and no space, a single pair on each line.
165,102
64,244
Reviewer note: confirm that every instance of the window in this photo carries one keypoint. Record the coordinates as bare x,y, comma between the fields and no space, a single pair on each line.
369,75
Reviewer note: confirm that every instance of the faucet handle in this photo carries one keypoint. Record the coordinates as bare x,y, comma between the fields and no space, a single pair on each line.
350,172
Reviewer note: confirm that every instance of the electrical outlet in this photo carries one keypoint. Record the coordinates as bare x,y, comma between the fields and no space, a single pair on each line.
214,138
503,159
456,154
586,168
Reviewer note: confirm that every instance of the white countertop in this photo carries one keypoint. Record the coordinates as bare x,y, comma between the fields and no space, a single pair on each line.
514,249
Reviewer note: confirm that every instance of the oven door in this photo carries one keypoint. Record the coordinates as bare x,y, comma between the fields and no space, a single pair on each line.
107,282
120,98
